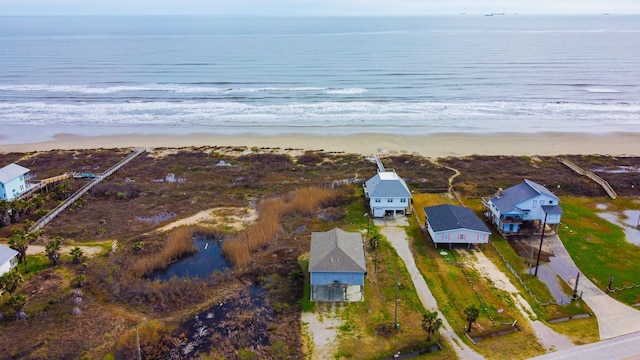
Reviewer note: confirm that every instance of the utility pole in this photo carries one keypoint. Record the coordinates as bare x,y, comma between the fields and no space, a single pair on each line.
395,317
575,289
544,224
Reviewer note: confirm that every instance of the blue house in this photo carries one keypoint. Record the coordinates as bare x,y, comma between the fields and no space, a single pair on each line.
387,194
337,266
528,203
12,182
451,224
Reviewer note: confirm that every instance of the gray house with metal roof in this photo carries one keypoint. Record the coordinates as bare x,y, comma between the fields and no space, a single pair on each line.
12,182
451,224
388,194
8,259
337,266
528,202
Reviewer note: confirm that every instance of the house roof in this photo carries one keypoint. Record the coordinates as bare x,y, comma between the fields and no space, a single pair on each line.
450,217
6,253
387,184
11,172
521,192
337,251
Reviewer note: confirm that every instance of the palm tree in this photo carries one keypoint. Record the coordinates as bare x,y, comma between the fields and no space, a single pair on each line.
5,220
431,323
18,207
472,315
10,281
76,255
17,303
20,243
53,250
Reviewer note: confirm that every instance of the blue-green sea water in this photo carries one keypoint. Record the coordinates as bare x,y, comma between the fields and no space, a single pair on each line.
328,75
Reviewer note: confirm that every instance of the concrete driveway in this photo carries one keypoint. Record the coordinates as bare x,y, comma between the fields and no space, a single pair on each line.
614,318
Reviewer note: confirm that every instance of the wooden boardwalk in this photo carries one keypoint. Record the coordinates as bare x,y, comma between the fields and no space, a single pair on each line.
58,209
605,185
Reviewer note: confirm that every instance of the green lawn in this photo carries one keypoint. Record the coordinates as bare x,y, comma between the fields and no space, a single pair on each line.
598,247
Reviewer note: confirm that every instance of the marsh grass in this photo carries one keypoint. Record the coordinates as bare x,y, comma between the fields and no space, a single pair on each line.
178,243
272,211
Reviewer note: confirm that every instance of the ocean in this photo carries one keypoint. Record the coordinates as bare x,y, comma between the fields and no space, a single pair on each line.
324,75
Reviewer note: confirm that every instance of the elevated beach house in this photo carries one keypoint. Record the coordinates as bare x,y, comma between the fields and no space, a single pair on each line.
12,182
337,266
388,194
451,224
8,259
528,204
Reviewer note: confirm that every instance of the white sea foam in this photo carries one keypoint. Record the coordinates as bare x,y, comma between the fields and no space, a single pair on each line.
400,117
601,90
183,89
347,91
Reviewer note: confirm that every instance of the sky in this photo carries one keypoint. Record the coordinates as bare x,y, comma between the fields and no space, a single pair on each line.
315,7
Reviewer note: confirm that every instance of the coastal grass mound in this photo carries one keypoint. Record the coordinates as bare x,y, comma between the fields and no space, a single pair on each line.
272,211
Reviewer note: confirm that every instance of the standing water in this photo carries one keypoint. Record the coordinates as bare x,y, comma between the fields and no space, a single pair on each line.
202,264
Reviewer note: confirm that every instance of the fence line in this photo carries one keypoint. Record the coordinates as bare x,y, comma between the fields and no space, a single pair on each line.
535,298
61,207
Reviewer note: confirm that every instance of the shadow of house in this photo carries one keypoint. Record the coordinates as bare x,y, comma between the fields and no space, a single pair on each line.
337,266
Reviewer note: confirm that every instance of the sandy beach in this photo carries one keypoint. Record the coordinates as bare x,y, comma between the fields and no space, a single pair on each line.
435,145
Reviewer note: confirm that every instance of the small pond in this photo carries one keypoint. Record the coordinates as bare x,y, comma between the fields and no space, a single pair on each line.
629,225
202,264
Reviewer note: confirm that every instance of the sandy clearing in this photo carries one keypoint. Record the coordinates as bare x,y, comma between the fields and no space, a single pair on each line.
86,250
322,327
236,218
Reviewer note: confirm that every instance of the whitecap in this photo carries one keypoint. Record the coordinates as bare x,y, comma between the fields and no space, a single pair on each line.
601,90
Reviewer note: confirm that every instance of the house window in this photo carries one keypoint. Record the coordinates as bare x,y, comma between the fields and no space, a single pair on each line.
377,200
461,237
550,202
389,200
403,200
535,203
446,236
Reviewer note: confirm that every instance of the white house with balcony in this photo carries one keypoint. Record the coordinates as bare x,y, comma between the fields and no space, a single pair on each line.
528,203
8,259
12,181
388,194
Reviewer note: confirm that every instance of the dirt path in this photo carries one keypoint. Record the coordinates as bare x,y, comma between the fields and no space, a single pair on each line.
394,232
89,251
322,328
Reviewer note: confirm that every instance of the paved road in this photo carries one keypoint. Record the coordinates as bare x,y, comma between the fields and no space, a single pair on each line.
625,347
397,236
614,318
